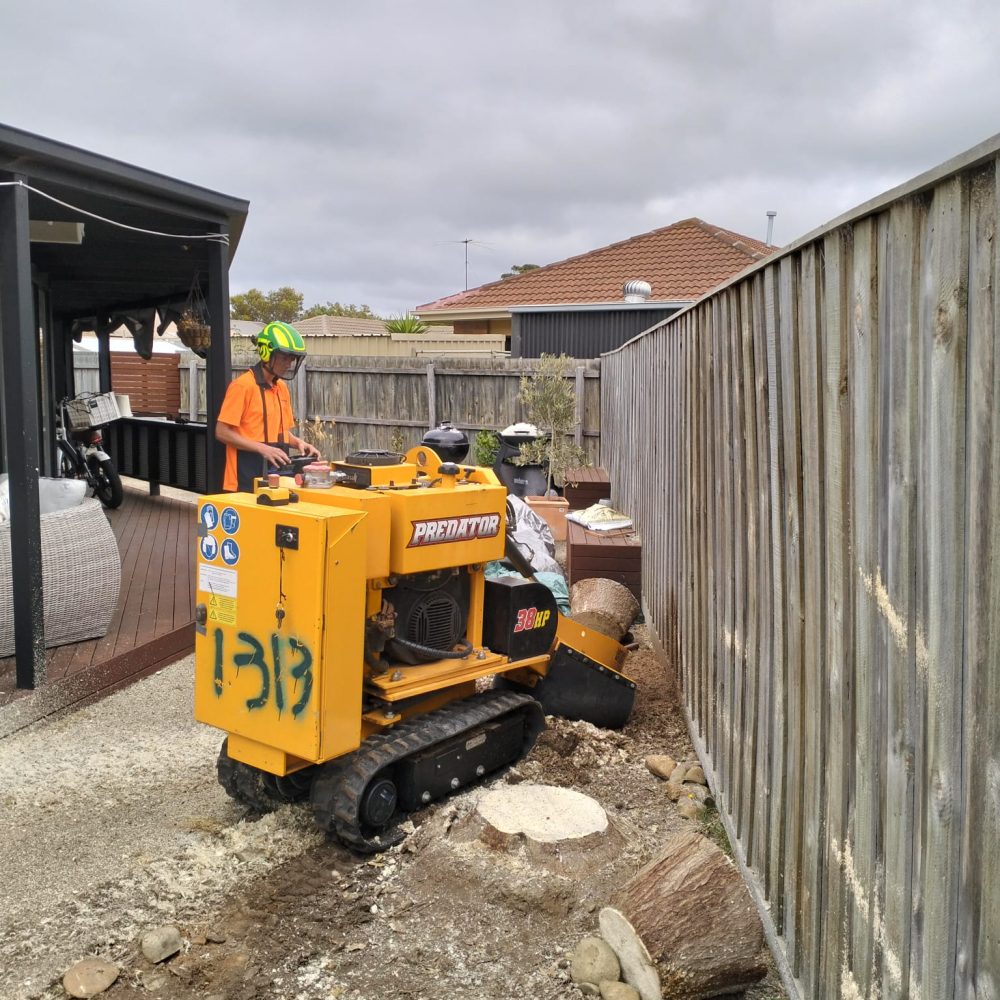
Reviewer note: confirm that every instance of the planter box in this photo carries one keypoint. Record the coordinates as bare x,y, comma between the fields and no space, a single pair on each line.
585,487
552,510
613,555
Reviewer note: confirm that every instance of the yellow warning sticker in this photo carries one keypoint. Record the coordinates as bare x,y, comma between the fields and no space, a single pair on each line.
222,609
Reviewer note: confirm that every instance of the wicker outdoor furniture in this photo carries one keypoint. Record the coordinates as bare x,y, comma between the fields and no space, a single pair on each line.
81,576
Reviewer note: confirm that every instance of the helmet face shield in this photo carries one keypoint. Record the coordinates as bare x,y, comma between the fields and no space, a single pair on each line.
284,364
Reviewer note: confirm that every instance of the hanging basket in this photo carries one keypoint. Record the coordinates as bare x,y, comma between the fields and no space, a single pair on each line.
193,327
194,333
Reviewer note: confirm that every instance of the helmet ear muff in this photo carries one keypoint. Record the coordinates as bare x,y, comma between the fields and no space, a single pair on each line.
264,348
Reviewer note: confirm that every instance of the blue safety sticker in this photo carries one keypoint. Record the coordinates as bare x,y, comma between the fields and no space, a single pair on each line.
209,547
230,521
230,552
210,516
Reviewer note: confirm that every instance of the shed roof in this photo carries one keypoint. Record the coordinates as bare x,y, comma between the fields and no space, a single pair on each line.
681,262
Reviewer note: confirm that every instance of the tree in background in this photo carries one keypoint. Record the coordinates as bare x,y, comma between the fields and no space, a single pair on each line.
336,309
549,402
285,304
517,269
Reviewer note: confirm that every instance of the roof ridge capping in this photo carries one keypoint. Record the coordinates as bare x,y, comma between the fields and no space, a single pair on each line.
736,240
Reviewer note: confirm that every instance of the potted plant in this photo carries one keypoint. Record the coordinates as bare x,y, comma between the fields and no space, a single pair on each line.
550,404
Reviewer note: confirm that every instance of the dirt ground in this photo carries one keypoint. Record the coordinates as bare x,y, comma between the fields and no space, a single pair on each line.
433,918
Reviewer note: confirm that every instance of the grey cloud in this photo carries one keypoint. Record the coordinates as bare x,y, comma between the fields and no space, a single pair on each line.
369,137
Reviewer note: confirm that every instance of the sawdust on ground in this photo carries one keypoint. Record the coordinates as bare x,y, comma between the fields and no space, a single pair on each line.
271,909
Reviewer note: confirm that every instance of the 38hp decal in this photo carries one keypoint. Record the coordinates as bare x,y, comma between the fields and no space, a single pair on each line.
528,618
434,531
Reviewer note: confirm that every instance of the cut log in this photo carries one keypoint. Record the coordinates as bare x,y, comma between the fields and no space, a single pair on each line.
604,605
684,926
556,828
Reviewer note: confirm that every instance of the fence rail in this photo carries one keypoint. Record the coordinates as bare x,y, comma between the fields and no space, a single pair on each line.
822,562
344,404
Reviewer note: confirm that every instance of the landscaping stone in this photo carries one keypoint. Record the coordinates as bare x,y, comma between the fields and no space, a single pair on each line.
661,765
618,991
690,808
594,962
160,943
89,977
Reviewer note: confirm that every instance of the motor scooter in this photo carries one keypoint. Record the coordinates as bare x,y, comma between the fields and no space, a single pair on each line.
82,455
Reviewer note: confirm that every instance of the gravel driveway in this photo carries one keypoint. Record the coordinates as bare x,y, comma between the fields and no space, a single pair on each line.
112,821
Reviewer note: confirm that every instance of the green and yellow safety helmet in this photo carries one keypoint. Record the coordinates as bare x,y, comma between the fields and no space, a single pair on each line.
280,338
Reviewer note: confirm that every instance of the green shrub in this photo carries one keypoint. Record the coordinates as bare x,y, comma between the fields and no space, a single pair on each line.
485,448
405,323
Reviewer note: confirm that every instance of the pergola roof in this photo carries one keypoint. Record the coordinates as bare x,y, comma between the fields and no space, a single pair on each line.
116,268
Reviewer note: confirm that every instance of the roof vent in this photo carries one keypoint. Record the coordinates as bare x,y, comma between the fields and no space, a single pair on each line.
637,291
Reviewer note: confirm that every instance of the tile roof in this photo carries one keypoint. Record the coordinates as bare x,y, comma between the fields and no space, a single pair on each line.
681,262
341,326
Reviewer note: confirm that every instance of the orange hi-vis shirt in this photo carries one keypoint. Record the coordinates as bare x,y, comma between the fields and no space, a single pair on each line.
243,408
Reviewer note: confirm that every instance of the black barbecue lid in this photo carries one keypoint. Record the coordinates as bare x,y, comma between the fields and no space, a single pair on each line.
450,443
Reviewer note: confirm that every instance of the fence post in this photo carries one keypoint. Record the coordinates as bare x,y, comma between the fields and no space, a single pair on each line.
431,398
302,394
580,385
193,389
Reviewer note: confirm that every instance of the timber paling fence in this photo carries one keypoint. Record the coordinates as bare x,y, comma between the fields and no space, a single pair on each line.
345,404
818,496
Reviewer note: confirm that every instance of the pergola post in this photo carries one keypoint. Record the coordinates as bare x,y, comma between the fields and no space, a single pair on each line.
218,369
19,343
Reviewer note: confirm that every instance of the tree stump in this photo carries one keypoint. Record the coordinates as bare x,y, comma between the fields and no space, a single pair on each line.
604,605
684,926
556,828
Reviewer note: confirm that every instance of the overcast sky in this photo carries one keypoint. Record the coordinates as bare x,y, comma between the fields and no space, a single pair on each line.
372,137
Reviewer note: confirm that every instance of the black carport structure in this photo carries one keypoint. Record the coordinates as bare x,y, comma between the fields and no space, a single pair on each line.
146,240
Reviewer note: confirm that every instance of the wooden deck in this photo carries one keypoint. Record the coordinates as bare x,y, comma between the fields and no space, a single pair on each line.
153,624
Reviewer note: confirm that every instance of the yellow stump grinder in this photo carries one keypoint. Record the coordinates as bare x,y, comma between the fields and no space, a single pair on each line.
342,625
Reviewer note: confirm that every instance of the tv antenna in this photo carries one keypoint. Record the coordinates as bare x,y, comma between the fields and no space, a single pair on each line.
466,242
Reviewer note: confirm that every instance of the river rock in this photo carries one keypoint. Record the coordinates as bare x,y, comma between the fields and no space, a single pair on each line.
696,774
674,790
678,774
594,962
690,808
89,977
161,942
661,765
618,991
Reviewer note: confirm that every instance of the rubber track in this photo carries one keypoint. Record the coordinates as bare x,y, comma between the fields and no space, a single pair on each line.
340,784
256,789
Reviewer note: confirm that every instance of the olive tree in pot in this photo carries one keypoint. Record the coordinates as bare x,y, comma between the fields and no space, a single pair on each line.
549,403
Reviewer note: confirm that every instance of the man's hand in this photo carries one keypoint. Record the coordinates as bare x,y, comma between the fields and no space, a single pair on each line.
274,456
307,449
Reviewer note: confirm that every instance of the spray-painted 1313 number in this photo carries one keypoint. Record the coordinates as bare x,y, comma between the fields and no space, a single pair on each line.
290,662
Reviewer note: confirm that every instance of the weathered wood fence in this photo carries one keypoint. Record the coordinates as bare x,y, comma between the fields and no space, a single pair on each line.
350,403
819,499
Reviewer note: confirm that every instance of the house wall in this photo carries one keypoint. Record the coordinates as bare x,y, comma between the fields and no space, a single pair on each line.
579,333
482,327
818,507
